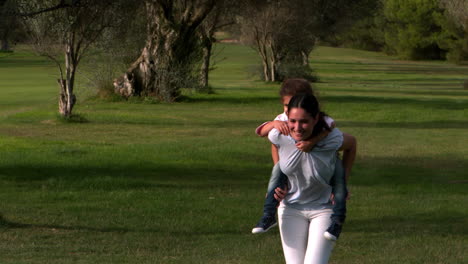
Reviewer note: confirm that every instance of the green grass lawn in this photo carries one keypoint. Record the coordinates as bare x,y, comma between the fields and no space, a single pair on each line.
149,182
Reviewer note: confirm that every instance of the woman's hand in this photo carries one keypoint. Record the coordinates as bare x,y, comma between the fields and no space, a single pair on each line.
280,193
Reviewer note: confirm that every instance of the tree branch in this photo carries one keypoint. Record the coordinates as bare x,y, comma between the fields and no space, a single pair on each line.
60,5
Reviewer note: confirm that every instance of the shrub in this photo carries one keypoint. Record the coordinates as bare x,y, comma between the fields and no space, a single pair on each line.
287,71
453,38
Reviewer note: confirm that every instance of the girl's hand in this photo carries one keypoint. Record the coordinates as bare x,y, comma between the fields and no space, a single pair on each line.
281,126
280,193
332,197
309,144
305,146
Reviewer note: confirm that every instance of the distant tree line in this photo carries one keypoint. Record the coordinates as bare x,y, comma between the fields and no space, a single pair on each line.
412,29
164,46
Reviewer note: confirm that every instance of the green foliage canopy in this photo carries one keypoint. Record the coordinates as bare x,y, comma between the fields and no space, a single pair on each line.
412,29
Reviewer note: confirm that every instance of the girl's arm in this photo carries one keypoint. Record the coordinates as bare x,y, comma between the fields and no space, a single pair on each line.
265,128
349,148
309,144
274,153
279,193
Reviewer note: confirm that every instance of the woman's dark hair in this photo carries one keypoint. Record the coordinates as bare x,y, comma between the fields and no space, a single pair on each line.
310,104
291,87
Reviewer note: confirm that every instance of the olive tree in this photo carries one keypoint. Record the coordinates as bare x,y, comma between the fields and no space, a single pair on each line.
275,30
172,51
63,31
222,16
284,32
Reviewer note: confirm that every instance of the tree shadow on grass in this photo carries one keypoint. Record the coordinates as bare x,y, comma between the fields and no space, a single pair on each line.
408,173
386,69
395,67
438,124
122,177
413,174
5,223
438,103
441,222
372,171
374,80
10,61
235,100
453,91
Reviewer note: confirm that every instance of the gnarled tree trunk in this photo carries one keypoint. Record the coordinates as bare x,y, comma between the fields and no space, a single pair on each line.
5,45
171,52
205,67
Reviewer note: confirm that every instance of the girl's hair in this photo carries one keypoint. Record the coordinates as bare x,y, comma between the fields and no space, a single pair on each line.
291,87
310,104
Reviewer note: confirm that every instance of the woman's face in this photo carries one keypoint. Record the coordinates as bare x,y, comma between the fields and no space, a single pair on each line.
301,124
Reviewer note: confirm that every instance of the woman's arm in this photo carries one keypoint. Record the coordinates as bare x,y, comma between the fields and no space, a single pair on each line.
349,148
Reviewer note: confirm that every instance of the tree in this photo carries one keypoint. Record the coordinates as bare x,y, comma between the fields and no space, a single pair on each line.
4,29
206,34
9,24
172,51
284,32
425,30
68,28
365,30
220,17
458,9
271,28
115,50
454,38
412,30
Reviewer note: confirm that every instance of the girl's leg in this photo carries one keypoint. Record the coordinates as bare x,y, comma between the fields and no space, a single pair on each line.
277,179
319,248
294,226
340,192
268,220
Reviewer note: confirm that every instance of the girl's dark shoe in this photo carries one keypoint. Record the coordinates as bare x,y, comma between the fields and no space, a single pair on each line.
334,231
265,224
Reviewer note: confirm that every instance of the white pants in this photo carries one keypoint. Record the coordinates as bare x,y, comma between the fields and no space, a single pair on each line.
302,235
